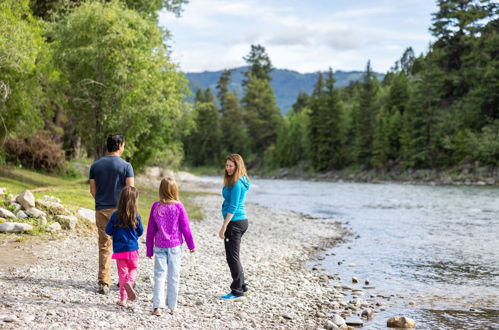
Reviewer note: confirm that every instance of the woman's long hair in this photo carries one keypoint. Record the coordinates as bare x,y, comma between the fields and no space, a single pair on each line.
168,191
230,180
127,208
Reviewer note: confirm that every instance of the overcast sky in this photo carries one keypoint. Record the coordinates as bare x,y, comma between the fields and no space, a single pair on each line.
301,35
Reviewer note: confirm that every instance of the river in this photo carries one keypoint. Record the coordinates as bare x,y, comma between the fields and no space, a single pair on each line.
432,252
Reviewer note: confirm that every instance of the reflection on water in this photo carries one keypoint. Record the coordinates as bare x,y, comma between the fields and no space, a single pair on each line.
435,248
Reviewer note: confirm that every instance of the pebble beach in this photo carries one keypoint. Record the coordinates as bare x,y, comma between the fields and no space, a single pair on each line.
58,289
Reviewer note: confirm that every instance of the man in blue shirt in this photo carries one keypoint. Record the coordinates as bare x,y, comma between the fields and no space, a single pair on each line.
108,176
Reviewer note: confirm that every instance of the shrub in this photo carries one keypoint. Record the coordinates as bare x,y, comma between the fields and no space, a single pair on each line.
36,152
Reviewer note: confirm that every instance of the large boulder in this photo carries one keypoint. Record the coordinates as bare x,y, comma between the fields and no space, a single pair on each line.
87,214
35,213
56,226
67,221
14,227
4,213
21,215
26,199
51,206
400,322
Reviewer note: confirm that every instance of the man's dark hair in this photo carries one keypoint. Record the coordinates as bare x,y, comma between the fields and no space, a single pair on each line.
114,141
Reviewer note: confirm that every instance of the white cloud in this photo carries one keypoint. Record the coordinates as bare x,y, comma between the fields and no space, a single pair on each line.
303,36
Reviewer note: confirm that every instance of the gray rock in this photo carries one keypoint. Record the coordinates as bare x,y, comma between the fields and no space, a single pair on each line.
10,318
16,206
320,314
367,313
366,282
14,227
56,226
26,199
329,325
42,221
400,322
4,213
87,214
355,321
288,316
67,221
51,199
338,320
52,207
35,213
21,215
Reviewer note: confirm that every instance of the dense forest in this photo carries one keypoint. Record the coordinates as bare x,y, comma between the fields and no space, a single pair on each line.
435,110
73,71
287,84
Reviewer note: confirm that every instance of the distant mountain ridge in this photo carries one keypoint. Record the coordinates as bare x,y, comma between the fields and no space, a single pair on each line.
287,84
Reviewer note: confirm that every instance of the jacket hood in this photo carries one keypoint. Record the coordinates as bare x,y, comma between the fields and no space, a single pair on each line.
245,182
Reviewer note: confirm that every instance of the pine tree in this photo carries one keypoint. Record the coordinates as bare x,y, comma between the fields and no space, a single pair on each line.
203,145
364,117
234,135
262,115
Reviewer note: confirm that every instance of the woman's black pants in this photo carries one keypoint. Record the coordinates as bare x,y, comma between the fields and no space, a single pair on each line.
233,234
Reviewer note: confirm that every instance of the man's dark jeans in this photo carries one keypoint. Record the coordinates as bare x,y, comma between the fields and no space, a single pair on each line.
233,234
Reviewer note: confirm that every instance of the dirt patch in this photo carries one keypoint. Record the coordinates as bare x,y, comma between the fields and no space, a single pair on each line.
15,254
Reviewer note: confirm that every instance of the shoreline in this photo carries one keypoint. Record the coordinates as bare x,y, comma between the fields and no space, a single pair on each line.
467,176
59,290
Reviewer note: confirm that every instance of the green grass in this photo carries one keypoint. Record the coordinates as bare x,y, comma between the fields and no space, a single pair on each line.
75,193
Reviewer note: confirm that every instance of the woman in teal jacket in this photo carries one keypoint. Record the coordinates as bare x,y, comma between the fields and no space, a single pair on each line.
236,185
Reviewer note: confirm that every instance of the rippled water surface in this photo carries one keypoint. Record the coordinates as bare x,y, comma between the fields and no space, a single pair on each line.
435,248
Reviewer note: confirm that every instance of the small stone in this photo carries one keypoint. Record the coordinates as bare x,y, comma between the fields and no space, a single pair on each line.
400,322
14,227
21,215
355,280
87,214
329,325
366,282
288,316
320,315
52,207
51,199
56,226
67,221
352,265
354,321
16,206
26,199
35,213
367,313
338,320
4,213
10,318
28,318
42,221
412,303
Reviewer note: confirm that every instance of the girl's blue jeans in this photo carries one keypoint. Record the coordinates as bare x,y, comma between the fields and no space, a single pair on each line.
166,263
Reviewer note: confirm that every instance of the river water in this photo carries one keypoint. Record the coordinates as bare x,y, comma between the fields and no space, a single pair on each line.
432,252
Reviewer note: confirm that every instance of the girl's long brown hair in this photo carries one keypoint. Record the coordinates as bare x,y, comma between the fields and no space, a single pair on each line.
168,191
230,180
127,208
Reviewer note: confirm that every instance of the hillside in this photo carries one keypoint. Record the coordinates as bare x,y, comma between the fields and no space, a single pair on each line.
286,83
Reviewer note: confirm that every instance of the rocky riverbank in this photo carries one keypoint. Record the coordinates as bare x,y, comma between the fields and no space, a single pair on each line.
464,175
59,291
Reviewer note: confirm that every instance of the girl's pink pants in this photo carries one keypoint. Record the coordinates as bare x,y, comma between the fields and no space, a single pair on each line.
127,270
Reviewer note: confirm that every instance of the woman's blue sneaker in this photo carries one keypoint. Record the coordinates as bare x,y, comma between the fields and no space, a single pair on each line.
231,297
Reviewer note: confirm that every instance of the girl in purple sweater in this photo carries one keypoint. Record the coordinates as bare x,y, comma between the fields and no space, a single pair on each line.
168,223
